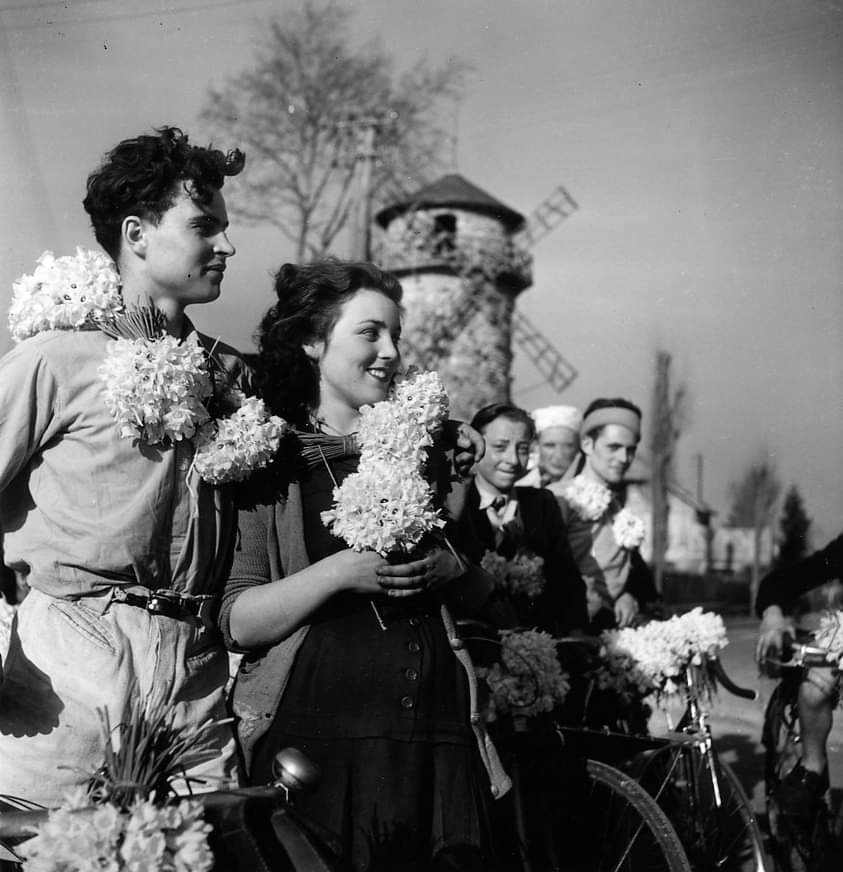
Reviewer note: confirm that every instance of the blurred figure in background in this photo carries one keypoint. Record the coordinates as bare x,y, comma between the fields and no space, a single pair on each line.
556,447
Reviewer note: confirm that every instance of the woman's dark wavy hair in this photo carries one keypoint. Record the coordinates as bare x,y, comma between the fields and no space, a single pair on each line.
309,300
483,417
141,177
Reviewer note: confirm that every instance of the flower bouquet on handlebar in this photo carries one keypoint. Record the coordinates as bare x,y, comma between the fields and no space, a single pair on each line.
139,809
660,658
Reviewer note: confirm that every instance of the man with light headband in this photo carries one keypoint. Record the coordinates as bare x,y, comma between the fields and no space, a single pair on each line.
603,534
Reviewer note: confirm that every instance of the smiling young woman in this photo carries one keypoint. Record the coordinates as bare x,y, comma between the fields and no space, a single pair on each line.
378,700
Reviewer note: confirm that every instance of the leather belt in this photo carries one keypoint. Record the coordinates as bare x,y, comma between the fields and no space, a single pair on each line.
169,603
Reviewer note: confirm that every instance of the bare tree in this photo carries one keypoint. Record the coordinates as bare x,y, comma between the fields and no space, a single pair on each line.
668,417
754,497
301,112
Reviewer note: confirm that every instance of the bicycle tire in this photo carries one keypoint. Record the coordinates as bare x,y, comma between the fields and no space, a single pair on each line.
619,828
715,837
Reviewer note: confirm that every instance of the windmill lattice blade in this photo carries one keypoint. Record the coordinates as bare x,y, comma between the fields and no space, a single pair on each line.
558,371
552,211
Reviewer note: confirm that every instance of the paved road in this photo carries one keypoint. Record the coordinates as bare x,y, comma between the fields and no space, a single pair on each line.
736,723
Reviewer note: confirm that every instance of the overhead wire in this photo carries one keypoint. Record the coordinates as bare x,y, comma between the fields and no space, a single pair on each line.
127,16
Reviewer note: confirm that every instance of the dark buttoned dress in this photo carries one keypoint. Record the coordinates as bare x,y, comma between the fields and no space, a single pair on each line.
385,714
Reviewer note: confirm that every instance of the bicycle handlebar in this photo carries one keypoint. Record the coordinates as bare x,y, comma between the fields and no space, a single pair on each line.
800,655
727,684
294,773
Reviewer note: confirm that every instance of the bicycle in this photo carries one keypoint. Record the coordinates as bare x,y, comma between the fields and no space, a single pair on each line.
796,848
255,828
570,813
681,770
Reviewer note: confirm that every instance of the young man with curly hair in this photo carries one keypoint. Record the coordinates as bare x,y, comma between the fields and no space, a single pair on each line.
123,546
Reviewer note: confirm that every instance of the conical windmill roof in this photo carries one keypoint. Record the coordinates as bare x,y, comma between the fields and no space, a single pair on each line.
457,192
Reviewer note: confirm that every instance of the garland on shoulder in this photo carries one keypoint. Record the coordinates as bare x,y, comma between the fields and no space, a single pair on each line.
387,505
65,293
589,499
592,500
157,388
629,530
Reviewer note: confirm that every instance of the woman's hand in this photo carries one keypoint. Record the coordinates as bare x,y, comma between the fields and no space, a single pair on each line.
438,566
355,571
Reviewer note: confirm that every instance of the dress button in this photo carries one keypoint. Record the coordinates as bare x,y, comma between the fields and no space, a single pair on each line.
411,674
413,647
407,702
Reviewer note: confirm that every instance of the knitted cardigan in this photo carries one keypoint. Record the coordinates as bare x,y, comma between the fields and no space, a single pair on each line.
271,546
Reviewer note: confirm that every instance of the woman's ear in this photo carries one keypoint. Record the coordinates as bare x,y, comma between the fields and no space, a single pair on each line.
314,350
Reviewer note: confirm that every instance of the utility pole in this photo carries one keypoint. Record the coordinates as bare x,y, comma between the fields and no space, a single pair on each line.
704,516
667,413
363,132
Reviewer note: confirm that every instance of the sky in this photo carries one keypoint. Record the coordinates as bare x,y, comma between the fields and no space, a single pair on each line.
702,140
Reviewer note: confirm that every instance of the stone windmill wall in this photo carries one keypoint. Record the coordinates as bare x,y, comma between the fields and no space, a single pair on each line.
461,271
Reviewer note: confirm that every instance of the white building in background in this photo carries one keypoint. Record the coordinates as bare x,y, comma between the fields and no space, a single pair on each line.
694,544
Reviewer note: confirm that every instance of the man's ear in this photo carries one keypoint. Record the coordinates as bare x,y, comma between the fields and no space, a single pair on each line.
587,445
133,234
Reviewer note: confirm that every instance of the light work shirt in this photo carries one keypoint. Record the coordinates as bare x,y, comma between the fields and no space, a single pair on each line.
81,508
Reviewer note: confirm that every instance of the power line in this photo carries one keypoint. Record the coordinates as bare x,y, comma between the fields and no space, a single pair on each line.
149,13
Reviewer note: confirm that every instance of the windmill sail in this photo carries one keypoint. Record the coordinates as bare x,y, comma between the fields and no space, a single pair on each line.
547,359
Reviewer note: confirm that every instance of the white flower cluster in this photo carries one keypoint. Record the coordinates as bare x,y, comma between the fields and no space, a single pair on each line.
64,293
387,505
628,529
78,837
522,575
156,388
589,499
656,656
231,448
829,634
528,679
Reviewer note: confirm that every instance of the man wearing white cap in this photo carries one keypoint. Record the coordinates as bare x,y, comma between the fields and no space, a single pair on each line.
603,534
557,444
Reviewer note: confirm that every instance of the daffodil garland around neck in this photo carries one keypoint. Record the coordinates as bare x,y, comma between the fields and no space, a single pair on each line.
156,387
592,500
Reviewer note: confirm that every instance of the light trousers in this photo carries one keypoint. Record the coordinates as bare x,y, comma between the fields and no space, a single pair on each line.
68,659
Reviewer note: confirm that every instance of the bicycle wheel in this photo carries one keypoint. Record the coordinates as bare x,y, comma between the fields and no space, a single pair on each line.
709,809
617,826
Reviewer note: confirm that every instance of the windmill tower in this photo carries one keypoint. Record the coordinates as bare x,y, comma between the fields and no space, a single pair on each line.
463,258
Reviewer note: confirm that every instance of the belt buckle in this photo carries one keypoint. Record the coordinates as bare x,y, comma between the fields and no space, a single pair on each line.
169,605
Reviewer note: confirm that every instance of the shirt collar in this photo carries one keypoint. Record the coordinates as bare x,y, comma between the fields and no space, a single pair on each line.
487,494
